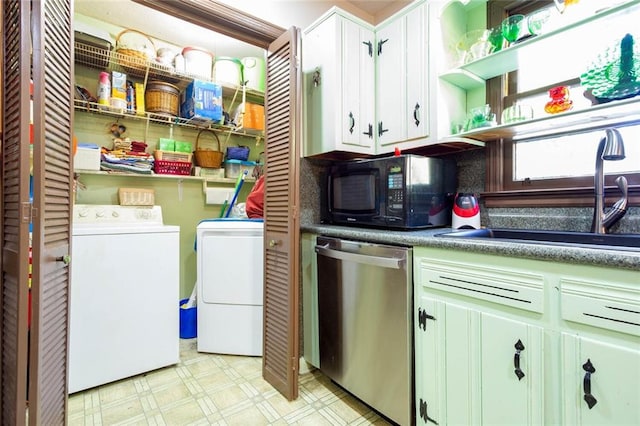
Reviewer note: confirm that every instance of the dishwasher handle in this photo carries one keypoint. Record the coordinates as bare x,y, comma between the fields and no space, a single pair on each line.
383,262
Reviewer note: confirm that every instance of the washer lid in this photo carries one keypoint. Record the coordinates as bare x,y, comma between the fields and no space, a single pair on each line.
118,229
231,223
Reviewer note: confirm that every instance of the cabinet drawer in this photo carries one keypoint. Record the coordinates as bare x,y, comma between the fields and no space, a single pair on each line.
515,288
611,306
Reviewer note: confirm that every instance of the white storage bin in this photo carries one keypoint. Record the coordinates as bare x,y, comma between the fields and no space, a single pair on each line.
86,159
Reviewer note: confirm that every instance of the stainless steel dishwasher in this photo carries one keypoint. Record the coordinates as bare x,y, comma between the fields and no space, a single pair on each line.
365,305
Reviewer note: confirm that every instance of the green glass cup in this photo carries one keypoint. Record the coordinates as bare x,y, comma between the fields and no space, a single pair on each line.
537,21
496,39
511,27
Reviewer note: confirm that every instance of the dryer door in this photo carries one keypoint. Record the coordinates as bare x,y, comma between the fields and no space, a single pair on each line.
230,265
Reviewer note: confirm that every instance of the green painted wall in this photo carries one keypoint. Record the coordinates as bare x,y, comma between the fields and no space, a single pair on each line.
181,198
182,202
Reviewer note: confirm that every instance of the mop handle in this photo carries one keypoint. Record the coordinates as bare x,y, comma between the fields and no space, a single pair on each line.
237,191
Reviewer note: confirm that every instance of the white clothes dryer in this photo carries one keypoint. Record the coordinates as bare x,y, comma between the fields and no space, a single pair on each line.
230,286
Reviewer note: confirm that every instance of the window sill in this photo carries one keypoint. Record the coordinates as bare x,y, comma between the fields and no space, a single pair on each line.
573,197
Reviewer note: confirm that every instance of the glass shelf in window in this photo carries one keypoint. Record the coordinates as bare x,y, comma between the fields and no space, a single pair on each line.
608,114
463,79
557,40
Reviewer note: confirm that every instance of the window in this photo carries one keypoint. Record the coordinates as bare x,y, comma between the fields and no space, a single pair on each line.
571,156
553,170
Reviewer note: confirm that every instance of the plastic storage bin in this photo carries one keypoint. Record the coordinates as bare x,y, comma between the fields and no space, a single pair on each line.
233,168
188,321
87,158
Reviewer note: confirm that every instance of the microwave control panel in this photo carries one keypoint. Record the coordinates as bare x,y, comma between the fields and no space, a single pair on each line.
395,189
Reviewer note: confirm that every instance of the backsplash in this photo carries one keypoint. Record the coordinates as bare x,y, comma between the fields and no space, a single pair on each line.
471,172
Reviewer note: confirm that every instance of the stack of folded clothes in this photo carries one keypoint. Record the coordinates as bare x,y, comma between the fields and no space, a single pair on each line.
126,161
138,146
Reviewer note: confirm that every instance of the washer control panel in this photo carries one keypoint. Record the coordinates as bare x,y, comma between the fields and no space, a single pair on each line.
116,214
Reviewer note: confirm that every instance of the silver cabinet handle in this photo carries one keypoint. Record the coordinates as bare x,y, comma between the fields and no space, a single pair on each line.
383,262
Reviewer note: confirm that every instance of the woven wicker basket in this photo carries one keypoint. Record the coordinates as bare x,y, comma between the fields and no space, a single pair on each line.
136,196
172,156
134,56
208,157
162,98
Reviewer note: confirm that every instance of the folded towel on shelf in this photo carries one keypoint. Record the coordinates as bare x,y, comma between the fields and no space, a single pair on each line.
104,165
129,161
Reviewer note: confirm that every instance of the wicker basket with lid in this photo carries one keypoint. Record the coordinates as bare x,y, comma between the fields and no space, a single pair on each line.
162,98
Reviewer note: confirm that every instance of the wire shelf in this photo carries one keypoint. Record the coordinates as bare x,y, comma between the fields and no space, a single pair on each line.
92,107
106,59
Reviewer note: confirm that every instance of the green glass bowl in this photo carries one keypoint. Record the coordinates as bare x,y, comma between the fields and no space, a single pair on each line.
614,74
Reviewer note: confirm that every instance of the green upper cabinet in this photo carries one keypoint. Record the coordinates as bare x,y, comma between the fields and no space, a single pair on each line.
338,84
366,89
402,80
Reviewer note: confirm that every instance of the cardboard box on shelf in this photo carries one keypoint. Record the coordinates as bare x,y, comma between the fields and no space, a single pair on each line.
252,117
166,144
140,108
183,146
118,85
202,100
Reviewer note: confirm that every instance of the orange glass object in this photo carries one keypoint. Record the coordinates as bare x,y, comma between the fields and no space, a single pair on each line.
559,100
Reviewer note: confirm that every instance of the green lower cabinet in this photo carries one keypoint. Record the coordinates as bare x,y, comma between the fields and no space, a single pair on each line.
476,368
309,280
512,372
509,341
601,382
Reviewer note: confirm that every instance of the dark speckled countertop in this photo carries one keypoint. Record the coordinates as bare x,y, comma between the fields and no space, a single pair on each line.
426,238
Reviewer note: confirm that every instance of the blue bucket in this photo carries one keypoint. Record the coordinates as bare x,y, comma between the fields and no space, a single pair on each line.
188,321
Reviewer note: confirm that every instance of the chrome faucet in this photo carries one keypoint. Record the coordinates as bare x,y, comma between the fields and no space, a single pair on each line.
610,148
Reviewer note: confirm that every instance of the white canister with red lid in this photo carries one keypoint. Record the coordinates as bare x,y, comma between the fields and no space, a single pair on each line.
198,62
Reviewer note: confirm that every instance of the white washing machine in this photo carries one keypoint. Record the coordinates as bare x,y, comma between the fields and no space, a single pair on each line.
230,281
123,313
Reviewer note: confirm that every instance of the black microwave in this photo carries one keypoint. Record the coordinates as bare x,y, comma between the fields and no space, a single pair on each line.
403,192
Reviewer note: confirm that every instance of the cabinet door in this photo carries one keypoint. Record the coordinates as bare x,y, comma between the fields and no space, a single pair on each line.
391,80
320,63
338,87
613,383
417,108
512,372
357,85
447,365
309,277
402,84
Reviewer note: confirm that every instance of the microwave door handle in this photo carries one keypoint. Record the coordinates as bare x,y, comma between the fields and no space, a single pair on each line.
384,262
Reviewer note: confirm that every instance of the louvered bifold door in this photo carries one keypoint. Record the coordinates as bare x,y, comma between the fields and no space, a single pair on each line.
16,64
52,201
281,213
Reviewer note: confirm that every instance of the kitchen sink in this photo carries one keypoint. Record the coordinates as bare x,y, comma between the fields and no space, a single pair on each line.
567,238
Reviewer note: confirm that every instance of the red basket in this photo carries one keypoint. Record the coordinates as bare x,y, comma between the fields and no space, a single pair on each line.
172,167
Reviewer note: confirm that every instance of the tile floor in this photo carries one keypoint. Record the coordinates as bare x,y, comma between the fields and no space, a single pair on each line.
210,389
